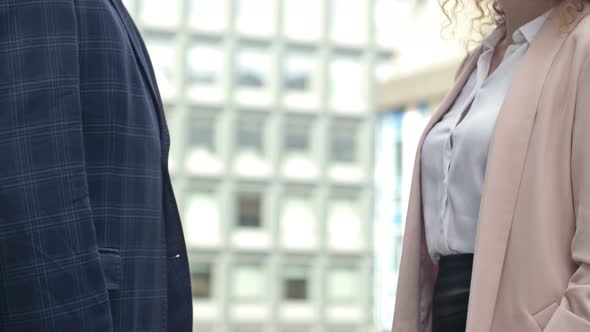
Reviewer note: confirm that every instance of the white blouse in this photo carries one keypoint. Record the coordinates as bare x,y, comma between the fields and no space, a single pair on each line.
455,152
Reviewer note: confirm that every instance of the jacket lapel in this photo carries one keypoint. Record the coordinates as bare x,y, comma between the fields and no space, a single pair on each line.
506,162
454,93
140,52
417,269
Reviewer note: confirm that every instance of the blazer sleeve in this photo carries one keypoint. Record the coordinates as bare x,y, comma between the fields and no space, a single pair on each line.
573,313
50,271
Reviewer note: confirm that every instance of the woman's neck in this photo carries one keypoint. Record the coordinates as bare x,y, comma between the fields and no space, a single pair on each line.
520,12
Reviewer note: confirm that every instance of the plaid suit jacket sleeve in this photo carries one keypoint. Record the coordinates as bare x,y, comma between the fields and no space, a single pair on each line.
50,270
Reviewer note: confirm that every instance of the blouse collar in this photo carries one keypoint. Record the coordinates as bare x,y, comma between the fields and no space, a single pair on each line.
524,34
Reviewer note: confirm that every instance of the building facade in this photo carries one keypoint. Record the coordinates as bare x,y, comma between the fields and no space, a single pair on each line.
271,109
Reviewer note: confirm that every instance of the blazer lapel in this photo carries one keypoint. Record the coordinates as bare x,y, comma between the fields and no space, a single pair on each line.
454,93
418,270
506,161
146,70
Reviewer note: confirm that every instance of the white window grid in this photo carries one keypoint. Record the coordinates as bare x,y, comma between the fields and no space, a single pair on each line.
228,39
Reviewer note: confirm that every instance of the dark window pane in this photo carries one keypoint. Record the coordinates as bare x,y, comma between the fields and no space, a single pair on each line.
296,289
297,82
295,282
249,207
250,79
201,281
297,141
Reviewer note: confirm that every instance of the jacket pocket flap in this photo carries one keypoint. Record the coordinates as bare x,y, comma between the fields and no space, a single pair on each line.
110,260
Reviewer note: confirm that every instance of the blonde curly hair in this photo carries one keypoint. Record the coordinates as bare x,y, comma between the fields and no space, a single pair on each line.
489,14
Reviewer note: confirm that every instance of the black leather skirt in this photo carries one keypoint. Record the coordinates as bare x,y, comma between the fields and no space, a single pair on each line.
451,293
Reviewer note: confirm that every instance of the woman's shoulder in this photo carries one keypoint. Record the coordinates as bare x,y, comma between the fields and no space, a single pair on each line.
576,46
580,29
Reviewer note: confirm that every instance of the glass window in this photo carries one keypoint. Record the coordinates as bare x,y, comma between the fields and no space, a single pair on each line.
298,135
202,132
251,134
299,152
253,76
201,280
295,284
249,209
298,221
163,55
343,285
299,70
202,223
253,68
302,19
205,72
344,144
349,21
300,80
159,13
203,153
249,282
256,17
208,15
347,83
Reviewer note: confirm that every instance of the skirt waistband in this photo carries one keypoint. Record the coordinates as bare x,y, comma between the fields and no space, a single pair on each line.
464,261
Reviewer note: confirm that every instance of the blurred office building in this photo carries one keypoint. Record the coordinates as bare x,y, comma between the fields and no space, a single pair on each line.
271,109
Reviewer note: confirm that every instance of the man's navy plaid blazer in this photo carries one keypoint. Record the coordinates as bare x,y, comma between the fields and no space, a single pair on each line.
90,236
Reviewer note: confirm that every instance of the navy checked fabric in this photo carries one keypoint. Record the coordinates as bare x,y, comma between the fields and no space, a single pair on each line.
90,236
